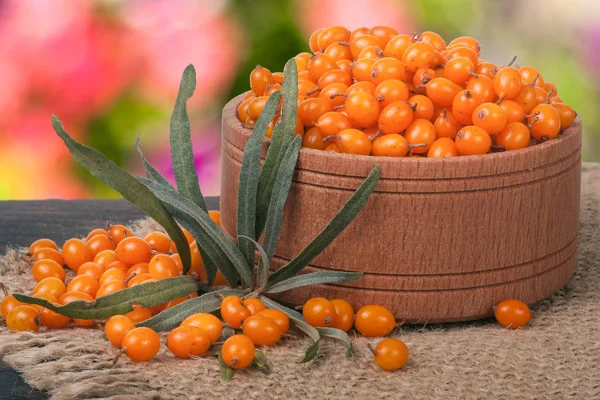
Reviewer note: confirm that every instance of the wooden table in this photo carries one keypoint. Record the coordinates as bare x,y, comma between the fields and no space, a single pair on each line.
22,222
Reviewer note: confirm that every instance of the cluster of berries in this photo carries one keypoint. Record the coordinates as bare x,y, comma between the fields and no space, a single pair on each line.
373,91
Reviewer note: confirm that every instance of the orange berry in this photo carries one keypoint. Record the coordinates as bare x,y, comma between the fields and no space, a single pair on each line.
514,136
388,68
238,351
362,109
319,312
262,330
42,244
76,296
105,257
333,122
141,344
512,314
507,83
254,305
397,45
139,314
433,39
116,328
48,254
310,110
390,91
374,320
566,114
472,140
23,318
158,241
49,318
233,311
391,354
280,318
207,322
8,304
395,117
420,134
353,141
84,284
75,253
118,233
419,55
424,106
215,215
137,269
110,288
489,117
313,139
442,91
544,122
134,250
52,286
46,268
442,147
345,314
458,70
138,279
466,41
99,243
162,266
260,78
188,341
112,274
446,125
514,111
385,33
391,145
358,43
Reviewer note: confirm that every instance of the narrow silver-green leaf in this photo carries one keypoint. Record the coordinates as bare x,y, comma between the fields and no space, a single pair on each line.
337,224
280,140
340,335
281,189
225,370
249,173
264,264
261,362
174,316
314,278
213,240
182,153
310,353
128,186
147,295
151,172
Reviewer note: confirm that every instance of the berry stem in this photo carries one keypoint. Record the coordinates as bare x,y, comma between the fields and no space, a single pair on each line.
108,226
500,100
535,78
533,121
338,94
243,126
376,135
219,295
4,289
311,92
400,323
371,348
512,61
412,146
338,107
549,96
328,138
119,354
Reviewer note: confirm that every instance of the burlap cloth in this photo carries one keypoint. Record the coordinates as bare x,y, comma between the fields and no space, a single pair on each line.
556,357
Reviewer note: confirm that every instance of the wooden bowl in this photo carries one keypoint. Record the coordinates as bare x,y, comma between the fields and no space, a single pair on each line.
439,240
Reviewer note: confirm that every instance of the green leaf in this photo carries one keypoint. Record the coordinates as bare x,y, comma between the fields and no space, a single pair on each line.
226,333
147,295
226,371
263,265
340,335
174,316
151,172
283,135
249,173
337,224
132,190
212,239
182,153
314,278
311,352
281,189
261,362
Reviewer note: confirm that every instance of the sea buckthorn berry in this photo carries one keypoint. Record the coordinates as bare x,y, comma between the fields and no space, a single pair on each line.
52,286
162,266
471,140
42,244
442,91
116,328
419,55
466,41
388,68
207,322
306,86
363,109
188,341
49,318
541,95
141,268
46,268
463,106
270,89
118,233
75,253
134,250
386,33
567,115
433,39
395,117
112,274
422,77
139,314
141,344
263,331
110,288
280,318
306,76
346,65
301,65
77,296
319,64
319,312
352,141
332,35
345,314
313,40
313,139
424,106
482,88
159,241
357,44
463,52
512,314
188,236
256,107
366,86
242,109
260,78
359,32
8,304
138,279
47,254
391,354
514,136
488,69
389,91
420,134
527,98
84,284
372,52
248,95
310,110
531,76
96,232
23,318
238,351
362,69
398,45
233,311
514,111
489,117
118,265
373,321
99,243
458,70
507,83
446,125
391,145
333,122
338,51
334,93
549,86
442,147
105,257
544,122
254,305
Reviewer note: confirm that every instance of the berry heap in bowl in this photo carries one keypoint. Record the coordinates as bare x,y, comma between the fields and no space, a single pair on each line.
382,93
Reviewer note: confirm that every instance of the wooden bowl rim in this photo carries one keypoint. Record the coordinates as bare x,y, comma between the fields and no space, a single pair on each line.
528,159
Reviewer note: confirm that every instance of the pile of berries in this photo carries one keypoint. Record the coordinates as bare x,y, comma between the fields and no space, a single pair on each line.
377,92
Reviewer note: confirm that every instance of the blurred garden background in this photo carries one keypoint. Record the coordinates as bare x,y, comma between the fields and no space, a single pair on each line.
110,69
